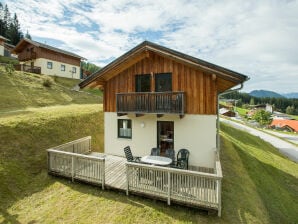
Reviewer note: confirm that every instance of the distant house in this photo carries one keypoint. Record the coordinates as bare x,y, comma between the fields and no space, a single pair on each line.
2,45
226,112
284,124
45,59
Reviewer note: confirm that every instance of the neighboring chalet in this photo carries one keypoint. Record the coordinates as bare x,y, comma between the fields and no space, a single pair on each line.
42,58
284,124
158,97
2,45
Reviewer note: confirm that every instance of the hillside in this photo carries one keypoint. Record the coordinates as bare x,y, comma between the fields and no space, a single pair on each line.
265,93
259,185
21,90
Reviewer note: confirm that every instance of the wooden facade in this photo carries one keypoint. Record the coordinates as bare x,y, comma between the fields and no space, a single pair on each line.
28,51
201,81
200,88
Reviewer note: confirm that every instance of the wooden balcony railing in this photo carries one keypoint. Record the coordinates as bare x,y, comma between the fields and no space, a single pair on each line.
27,56
151,103
28,68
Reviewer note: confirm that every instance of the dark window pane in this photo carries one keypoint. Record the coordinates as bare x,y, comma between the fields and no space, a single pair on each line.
143,83
163,82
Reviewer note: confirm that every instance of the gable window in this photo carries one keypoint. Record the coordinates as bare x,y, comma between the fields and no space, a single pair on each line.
74,69
163,82
124,128
50,65
63,68
143,83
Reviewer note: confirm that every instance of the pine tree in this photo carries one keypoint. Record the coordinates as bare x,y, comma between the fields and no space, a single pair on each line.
28,36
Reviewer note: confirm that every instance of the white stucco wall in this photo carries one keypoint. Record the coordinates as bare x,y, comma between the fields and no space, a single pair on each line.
197,133
1,50
56,68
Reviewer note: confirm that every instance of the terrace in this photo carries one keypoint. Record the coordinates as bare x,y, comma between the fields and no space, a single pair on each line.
197,187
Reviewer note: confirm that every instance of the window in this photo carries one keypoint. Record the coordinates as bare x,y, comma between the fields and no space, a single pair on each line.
74,69
163,82
124,128
63,68
50,65
143,83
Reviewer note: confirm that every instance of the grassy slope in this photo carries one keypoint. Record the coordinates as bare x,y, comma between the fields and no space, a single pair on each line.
259,185
22,90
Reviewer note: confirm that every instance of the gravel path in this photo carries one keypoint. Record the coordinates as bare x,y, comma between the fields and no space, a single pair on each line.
286,148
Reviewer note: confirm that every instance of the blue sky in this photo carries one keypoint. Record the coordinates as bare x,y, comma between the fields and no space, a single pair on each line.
256,38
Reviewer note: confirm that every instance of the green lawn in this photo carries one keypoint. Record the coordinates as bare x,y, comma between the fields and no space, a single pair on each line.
22,90
259,185
242,112
8,60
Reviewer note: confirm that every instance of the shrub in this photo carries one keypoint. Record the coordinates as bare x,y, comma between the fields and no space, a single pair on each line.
47,81
9,68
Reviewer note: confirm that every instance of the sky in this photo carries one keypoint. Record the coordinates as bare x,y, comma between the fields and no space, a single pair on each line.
255,38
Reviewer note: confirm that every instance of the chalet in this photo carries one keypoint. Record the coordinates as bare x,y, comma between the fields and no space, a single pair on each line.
284,124
156,100
158,97
42,58
2,45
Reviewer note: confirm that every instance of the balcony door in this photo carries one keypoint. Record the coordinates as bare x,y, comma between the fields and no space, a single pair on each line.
143,83
165,135
163,82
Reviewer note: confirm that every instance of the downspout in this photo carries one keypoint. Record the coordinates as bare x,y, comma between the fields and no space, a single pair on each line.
217,121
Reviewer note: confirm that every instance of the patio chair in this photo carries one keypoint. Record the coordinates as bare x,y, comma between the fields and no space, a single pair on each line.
155,152
129,156
170,153
182,158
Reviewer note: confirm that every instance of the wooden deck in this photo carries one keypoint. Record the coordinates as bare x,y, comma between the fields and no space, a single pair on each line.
198,187
115,173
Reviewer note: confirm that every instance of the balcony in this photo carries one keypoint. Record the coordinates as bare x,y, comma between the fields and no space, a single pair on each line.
151,103
27,56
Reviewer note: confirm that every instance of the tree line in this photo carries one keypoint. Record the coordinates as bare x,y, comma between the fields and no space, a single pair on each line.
10,27
284,105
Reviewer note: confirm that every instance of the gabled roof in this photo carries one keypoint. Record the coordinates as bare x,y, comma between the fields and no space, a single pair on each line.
20,46
284,122
106,72
3,38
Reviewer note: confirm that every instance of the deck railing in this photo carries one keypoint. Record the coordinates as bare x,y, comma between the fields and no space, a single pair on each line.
151,102
28,68
69,160
184,186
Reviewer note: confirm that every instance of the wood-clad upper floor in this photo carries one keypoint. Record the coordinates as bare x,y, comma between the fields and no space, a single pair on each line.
30,50
201,82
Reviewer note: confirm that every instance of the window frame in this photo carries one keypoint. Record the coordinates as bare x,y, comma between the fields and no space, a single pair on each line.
139,78
49,65
120,125
74,70
62,66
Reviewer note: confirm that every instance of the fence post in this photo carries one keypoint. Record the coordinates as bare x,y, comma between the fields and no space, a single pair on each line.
169,188
72,168
127,179
219,197
103,173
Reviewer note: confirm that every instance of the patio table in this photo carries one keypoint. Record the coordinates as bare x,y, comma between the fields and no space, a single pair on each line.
156,160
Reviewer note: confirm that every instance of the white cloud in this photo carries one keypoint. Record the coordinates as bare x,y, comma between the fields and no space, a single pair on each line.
257,38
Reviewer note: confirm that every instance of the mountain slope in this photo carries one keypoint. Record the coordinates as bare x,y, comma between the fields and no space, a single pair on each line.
265,93
291,95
